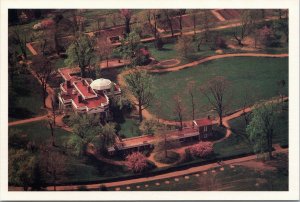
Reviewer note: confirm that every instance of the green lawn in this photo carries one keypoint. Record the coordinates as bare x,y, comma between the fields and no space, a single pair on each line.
129,128
239,178
40,132
25,97
257,75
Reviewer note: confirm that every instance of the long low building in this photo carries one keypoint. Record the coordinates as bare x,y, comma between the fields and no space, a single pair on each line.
202,130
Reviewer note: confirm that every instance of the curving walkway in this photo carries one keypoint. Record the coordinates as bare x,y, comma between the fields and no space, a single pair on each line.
215,57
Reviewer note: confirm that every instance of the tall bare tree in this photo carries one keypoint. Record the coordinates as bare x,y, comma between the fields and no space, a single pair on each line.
216,92
191,92
181,12
139,82
243,30
166,17
104,49
53,163
44,69
179,109
127,14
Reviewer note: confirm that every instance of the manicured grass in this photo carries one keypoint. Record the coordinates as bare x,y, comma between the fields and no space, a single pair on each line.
40,133
256,75
129,128
233,145
239,178
25,95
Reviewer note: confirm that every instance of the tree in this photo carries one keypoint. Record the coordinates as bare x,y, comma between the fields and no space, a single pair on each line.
44,69
140,84
191,92
14,67
164,143
185,47
24,170
136,162
267,37
202,149
85,129
216,92
106,138
104,49
206,23
151,17
179,109
181,12
166,17
243,30
194,15
261,127
54,164
81,52
129,47
149,127
20,39
281,84
127,14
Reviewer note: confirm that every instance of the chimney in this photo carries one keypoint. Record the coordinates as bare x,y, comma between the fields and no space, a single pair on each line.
82,82
79,98
68,84
89,89
208,117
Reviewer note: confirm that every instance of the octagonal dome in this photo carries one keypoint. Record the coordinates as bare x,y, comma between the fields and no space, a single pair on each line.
101,84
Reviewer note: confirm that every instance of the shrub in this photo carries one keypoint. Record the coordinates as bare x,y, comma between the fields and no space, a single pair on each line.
148,127
159,44
136,162
220,42
185,47
202,150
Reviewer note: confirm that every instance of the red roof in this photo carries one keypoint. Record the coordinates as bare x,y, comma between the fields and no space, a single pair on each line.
90,103
204,122
83,89
66,73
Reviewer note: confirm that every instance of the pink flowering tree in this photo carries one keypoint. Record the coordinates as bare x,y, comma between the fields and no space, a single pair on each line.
202,150
136,162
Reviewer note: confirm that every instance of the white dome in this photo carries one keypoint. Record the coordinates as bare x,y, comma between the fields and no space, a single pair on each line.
101,84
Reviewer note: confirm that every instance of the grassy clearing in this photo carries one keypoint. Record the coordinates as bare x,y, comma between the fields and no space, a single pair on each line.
239,178
258,76
25,95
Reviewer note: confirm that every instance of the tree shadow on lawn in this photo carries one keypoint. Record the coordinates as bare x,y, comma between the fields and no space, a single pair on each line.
105,169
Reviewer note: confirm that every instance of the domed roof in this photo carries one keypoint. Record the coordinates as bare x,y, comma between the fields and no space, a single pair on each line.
101,84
